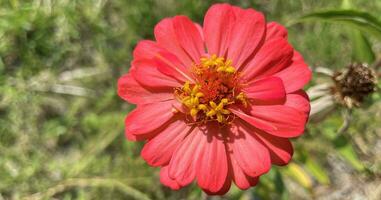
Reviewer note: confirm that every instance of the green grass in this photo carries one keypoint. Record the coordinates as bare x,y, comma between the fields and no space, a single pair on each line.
61,121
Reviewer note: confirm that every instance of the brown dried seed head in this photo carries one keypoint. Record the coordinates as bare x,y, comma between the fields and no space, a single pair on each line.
353,84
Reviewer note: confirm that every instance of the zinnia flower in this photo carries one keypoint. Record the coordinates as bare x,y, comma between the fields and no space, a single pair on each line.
216,103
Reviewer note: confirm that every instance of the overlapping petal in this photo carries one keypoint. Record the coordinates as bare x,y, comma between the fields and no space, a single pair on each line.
166,180
148,117
278,120
166,37
251,155
158,151
266,89
130,90
274,55
246,37
146,49
275,30
295,76
182,166
212,166
242,180
218,25
280,148
145,72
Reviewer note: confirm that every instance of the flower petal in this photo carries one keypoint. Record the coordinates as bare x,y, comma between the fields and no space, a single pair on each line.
166,38
188,37
238,11
247,36
295,76
278,120
266,89
130,90
168,64
146,49
182,166
212,166
250,154
148,117
275,30
242,181
281,149
166,180
159,150
224,189
274,56
146,73
300,101
218,23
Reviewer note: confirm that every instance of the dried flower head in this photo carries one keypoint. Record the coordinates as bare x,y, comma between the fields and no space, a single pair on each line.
353,84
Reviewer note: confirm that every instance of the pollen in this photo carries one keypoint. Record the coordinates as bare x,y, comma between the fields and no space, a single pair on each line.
216,87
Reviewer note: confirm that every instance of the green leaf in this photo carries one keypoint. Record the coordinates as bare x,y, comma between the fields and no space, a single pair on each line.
316,170
280,186
347,151
361,47
356,19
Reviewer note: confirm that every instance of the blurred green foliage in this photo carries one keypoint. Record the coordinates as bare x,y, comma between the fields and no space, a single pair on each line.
61,122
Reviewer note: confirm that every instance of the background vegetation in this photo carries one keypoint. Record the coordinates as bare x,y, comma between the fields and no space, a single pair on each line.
61,122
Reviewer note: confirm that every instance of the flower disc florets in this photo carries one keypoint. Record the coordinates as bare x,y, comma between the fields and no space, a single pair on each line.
216,87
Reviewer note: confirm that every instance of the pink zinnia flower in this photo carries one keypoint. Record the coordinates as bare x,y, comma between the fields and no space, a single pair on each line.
216,103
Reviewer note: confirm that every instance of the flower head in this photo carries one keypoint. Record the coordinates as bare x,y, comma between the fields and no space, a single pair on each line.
216,103
354,84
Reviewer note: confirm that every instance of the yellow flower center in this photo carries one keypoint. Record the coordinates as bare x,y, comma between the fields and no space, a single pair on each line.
216,88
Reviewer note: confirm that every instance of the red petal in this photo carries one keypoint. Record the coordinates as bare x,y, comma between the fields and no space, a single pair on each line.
300,101
250,154
166,180
238,11
133,92
168,64
274,56
247,36
166,37
159,150
212,166
225,188
182,166
242,181
188,37
275,30
280,148
140,137
295,76
146,49
266,89
278,120
147,74
218,23
297,57
148,117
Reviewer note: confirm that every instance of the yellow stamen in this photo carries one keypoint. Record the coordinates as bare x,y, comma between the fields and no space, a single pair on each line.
203,107
241,96
194,112
212,106
211,113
